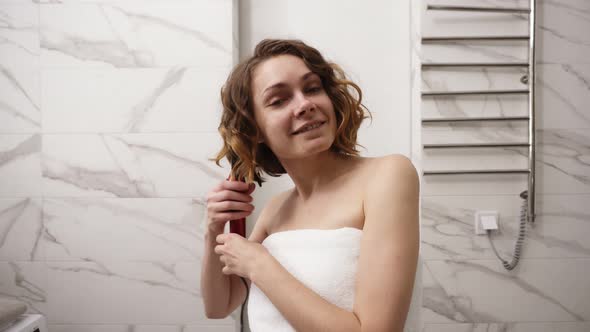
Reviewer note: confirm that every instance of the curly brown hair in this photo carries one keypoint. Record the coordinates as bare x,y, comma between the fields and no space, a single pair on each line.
238,128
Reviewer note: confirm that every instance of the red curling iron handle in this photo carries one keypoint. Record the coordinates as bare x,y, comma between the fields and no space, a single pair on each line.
237,226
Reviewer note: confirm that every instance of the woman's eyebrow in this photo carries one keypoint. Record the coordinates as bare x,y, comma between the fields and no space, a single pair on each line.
281,84
308,75
273,87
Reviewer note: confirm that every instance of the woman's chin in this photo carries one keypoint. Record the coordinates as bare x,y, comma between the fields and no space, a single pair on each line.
317,146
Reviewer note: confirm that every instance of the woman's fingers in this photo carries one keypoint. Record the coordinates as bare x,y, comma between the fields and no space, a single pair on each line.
228,195
228,210
235,185
251,188
229,207
229,200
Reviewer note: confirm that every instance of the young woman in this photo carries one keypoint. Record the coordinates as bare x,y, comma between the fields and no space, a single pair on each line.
339,251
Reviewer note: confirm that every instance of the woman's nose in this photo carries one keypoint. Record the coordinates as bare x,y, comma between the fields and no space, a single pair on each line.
303,103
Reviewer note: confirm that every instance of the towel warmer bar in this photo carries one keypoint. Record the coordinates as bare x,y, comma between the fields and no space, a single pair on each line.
528,79
479,171
475,64
474,92
477,119
479,9
473,38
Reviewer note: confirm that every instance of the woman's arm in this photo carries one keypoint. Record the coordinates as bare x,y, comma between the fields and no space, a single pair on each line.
304,309
389,247
223,293
215,286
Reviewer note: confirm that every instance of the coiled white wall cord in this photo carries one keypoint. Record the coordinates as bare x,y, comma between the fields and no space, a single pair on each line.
521,232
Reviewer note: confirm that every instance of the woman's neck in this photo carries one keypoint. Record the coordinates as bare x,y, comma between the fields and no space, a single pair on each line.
316,175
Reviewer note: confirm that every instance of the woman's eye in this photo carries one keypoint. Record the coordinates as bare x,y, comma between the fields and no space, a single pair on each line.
277,102
314,89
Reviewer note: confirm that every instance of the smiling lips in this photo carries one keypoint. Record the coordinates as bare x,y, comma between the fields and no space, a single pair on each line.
310,128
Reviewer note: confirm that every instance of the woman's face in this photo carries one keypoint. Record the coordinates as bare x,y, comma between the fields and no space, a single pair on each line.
287,95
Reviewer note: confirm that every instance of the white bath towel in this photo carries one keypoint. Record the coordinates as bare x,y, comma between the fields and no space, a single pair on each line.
324,261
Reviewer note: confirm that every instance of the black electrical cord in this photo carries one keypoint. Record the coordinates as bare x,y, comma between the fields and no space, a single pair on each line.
244,305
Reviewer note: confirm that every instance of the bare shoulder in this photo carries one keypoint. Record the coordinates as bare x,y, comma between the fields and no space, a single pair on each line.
392,174
266,216
395,167
395,160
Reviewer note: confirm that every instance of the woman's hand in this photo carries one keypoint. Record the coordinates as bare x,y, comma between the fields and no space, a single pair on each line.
228,200
240,256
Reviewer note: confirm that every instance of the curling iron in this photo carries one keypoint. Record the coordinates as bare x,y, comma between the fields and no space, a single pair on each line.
237,226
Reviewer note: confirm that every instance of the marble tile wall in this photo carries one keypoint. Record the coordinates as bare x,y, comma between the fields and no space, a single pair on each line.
108,115
465,287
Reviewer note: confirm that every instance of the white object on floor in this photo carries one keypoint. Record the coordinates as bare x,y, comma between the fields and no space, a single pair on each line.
29,323
324,261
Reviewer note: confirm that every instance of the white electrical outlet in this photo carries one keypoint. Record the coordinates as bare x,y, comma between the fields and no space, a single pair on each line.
486,220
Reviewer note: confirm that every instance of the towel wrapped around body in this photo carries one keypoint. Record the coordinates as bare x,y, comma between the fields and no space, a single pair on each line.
324,260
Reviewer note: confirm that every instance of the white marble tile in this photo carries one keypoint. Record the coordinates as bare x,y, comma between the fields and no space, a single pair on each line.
137,34
563,96
132,100
482,291
20,166
562,31
19,100
147,230
19,64
25,282
143,328
561,227
474,106
59,2
563,161
438,159
203,328
473,184
469,51
125,293
549,285
464,23
456,23
472,79
21,229
475,132
458,79
19,34
131,165
510,327
475,158
560,34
